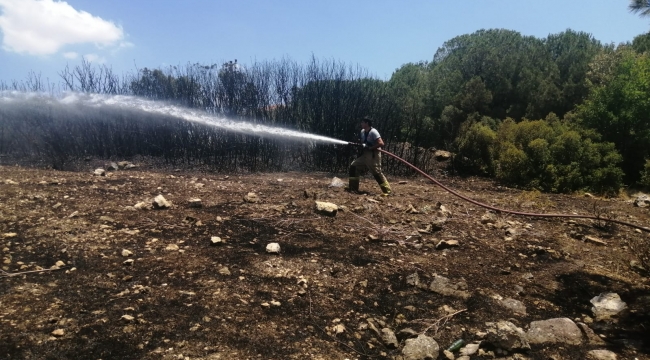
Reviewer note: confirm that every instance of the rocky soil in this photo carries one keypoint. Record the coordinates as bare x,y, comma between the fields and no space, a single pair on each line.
144,263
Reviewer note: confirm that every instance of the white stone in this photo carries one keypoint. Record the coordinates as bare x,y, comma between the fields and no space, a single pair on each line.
551,331
326,208
607,305
421,348
273,248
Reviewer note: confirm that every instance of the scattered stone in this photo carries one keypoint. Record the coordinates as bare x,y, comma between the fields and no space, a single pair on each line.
59,263
126,253
506,335
172,247
112,167
443,286
607,305
273,248
58,332
10,182
441,155
251,197
488,218
224,271
127,318
515,306
215,240
128,262
265,305
9,235
592,338
551,331
339,329
141,206
337,183
326,208
57,205
389,338
73,215
438,223
442,212
275,303
195,203
642,201
448,355
413,279
601,355
447,244
159,202
99,172
421,348
470,349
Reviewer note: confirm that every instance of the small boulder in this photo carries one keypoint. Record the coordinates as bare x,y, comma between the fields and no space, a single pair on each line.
337,183
552,331
100,172
642,201
601,355
326,208
446,244
420,348
159,202
506,335
389,338
273,248
251,197
607,305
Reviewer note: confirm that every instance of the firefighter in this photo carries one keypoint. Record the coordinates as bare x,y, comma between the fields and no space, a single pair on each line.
370,158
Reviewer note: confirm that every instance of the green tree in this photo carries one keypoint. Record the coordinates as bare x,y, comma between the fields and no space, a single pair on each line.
641,7
619,109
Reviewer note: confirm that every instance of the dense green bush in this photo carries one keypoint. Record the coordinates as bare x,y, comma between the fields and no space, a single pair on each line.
552,155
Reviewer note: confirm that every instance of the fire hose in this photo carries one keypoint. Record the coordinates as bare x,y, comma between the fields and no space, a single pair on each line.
506,211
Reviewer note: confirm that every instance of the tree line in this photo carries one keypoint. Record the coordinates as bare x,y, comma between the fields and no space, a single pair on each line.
561,113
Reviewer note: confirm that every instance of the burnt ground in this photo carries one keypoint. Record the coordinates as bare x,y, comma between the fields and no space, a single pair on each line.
178,302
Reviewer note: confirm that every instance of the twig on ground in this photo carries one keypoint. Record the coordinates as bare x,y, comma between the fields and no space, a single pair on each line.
437,323
6,274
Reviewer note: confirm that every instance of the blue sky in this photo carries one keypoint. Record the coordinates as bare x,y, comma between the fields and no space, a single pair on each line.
44,35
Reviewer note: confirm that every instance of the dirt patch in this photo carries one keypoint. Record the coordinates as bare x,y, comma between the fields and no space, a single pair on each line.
174,295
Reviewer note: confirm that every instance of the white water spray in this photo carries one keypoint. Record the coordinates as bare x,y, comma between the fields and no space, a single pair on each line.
162,108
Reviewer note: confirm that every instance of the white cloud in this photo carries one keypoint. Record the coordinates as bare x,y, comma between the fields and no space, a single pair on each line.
42,27
94,58
70,55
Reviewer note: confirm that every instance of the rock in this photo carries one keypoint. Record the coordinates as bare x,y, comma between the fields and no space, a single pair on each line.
642,201
506,335
488,218
421,348
551,331
275,303
141,206
215,240
224,271
469,349
172,247
127,318
592,338
126,252
251,197
441,155
448,355
607,305
10,182
128,262
195,203
59,263
443,286
600,355
389,338
58,332
99,172
273,248
446,244
515,306
337,183
438,223
339,329
112,167
442,212
159,202
413,279
326,208
9,235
